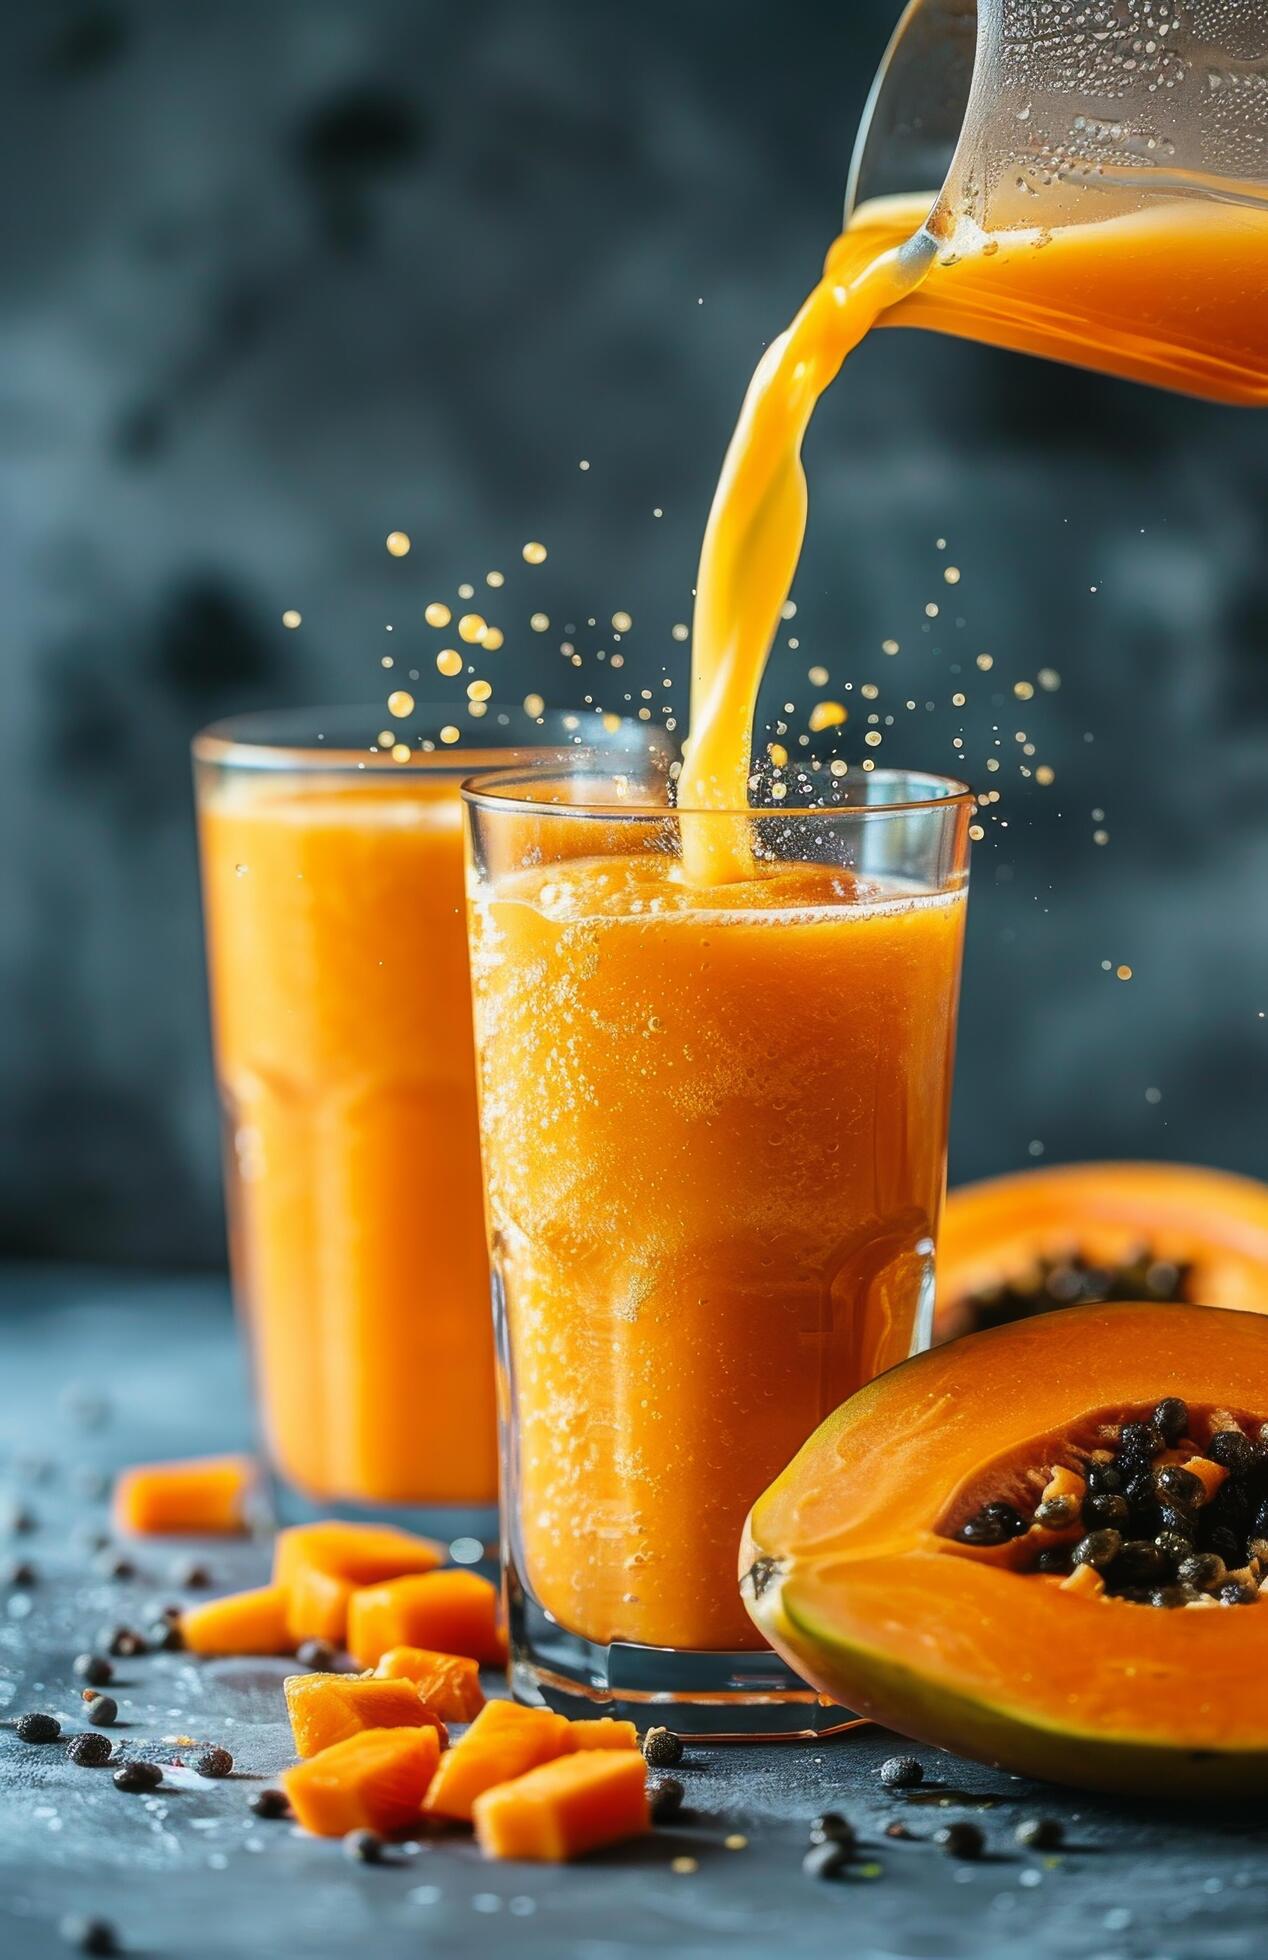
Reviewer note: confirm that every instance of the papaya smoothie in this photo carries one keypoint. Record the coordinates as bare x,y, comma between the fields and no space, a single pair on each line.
714,1137
341,1008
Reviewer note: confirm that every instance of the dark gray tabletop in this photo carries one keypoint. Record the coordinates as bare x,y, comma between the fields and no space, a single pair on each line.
98,1371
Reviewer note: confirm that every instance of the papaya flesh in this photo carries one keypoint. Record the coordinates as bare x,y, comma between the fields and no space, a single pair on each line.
374,1781
856,1568
251,1622
503,1742
455,1612
322,1565
1080,1233
565,1808
327,1708
205,1494
448,1683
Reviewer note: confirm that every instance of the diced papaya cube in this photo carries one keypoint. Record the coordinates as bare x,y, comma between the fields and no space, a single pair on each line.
454,1612
364,1553
448,1683
317,1605
241,1623
566,1807
199,1494
503,1741
373,1781
326,1708
605,1733
322,1565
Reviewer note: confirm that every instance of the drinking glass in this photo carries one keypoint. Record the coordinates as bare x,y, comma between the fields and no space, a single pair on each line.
333,897
713,1122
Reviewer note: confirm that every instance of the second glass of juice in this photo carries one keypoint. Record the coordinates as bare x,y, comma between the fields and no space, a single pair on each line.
714,1128
337,957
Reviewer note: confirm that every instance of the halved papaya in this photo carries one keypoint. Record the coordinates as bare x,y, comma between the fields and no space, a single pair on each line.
1080,1233
893,1563
327,1708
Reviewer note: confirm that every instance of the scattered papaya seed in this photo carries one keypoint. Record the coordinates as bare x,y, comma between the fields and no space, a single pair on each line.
831,1828
363,1847
269,1803
138,1776
665,1797
662,1748
214,1762
1041,1833
825,1860
94,1668
901,1773
960,1840
89,1750
37,1727
103,1711
86,1934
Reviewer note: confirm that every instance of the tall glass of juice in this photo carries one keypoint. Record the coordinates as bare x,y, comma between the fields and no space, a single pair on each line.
341,1006
714,1128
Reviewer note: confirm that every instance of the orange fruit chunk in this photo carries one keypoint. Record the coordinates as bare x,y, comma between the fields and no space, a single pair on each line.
197,1494
454,1612
322,1565
603,1733
503,1742
565,1808
448,1683
327,1708
251,1622
373,1781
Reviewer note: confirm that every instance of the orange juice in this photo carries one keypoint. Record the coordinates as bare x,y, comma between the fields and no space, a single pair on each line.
342,1016
714,1134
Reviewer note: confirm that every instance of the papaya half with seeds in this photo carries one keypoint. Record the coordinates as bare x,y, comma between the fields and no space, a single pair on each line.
1080,1233
884,1563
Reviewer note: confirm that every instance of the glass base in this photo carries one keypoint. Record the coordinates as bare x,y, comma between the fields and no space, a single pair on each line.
740,1697
469,1530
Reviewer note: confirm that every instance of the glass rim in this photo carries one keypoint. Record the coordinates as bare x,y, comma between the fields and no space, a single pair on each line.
258,739
494,790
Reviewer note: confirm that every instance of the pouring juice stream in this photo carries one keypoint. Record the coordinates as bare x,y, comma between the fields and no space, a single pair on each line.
1174,295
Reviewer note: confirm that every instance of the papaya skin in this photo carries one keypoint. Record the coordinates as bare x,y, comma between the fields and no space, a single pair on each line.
1212,1222
846,1568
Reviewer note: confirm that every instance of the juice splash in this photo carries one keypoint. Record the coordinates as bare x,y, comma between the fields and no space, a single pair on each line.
1176,294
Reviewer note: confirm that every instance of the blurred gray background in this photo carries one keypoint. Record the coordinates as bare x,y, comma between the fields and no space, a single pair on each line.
279,278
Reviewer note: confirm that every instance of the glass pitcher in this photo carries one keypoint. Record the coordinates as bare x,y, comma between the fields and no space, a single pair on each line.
1104,174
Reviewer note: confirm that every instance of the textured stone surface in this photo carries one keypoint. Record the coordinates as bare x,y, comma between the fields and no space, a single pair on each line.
98,1372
